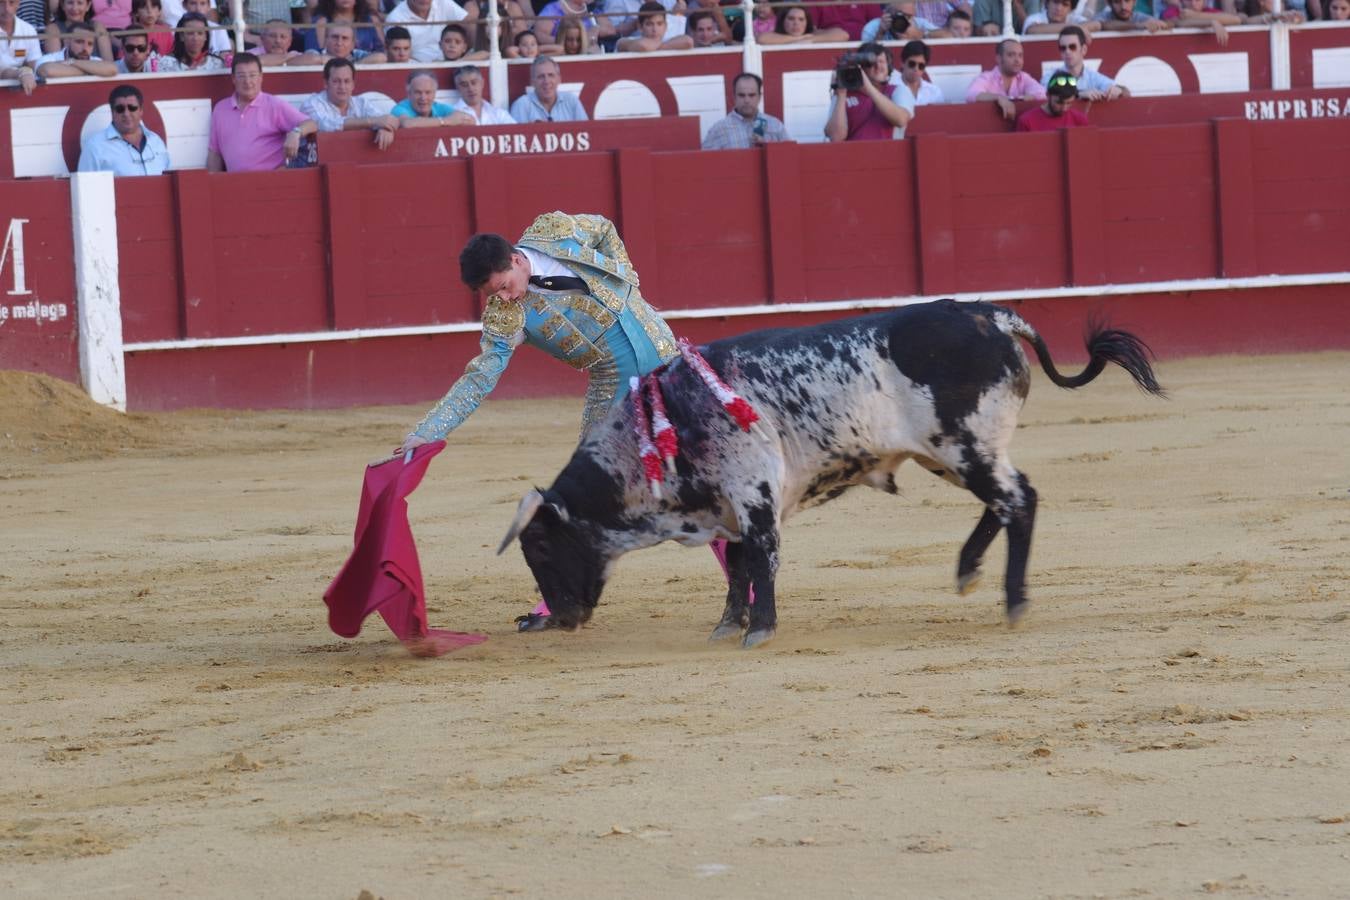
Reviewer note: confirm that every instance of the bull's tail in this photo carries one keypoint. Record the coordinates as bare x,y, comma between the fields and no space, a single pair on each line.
1104,345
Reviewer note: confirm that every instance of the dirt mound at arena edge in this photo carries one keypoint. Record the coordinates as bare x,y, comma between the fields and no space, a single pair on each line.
49,420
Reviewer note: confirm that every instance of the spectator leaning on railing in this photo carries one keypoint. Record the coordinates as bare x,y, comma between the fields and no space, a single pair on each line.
1005,82
421,109
1092,85
546,103
126,147
275,49
339,43
76,58
794,25
18,56
1056,15
1120,15
652,31
424,20
67,14
339,108
746,126
252,131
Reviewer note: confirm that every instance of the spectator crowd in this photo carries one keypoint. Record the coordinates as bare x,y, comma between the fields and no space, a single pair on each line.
872,95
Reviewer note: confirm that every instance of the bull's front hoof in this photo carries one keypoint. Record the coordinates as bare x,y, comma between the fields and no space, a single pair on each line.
725,630
968,582
757,637
534,622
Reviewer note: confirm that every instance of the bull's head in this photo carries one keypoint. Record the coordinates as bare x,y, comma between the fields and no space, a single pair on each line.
564,554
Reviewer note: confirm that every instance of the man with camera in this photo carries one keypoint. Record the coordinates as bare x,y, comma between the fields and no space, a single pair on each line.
900,22
866,106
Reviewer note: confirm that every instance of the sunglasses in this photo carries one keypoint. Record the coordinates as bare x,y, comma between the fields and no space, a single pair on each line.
133,48
1060,81
125,108
1068,46
916,64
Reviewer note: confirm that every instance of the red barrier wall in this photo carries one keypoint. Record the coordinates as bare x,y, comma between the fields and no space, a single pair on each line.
348,247
37,280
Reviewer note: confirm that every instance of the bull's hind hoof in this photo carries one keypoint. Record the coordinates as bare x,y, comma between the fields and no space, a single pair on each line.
534,622
725,630
757,637
968,582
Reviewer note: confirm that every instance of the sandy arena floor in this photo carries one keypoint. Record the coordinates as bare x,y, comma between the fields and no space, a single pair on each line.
1173,718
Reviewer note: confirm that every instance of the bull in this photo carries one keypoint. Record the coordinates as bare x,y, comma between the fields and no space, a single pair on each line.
841,404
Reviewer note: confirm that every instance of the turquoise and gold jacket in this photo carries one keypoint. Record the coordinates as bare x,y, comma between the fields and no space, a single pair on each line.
574,328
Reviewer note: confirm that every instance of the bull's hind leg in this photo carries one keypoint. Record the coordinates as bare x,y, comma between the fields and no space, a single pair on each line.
1010,503
972,554
736,616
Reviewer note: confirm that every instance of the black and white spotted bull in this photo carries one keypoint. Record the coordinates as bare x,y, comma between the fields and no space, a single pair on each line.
841,404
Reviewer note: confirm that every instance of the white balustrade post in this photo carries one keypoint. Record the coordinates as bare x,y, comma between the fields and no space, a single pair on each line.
98,297
498,84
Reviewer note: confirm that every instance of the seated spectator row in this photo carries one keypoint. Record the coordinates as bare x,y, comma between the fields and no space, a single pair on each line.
198,34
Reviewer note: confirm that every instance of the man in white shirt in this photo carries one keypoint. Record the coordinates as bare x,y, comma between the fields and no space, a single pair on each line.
18,56
469,83
415,16
76,58
338,107
913,64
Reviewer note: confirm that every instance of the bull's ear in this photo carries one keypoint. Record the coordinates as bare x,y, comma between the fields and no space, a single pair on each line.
529,505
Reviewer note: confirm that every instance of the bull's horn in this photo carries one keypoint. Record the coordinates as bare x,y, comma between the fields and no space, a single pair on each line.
529,505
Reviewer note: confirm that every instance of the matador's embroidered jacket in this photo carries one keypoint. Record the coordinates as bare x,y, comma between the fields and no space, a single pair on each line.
574,327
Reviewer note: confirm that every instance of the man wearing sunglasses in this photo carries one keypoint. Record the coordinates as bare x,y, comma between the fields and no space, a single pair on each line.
125,147
1092,85
137,55
913,65
1057,112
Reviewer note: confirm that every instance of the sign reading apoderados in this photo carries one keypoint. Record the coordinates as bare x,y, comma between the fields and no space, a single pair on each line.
463,141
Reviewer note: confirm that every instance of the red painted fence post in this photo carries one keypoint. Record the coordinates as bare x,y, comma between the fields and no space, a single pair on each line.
783,213
634,179
342,234
933,214
195,220
1085,210
1233,181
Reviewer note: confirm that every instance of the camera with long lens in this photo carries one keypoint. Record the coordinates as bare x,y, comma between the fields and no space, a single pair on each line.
899,24
848,70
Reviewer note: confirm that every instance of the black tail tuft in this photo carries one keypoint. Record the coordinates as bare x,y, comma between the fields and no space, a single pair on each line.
1127,351
1104,345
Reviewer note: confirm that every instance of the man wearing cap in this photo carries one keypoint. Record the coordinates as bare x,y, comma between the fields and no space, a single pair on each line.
1057,112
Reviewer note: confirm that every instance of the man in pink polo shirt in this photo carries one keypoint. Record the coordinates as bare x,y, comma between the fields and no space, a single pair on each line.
252,131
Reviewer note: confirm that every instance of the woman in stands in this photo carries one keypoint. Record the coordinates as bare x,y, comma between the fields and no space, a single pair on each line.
149,15
356,13
794,26
573,39
70,11
550,29
190,53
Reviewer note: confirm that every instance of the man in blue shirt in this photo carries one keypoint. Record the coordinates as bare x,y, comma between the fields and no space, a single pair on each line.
125,147
422,108
547,103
